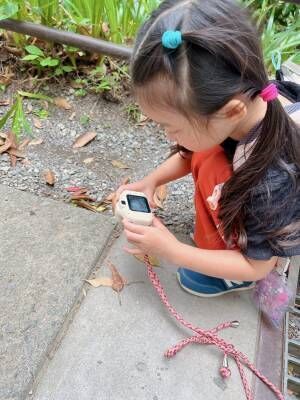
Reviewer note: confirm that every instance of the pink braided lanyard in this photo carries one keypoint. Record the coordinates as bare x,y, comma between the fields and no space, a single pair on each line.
210,337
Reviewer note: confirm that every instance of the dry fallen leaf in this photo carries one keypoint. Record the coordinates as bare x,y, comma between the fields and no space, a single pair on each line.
88,160
160,195
3,135
83,139
142,120
62,103
85,204
102,281
101,208
119,164
29,108
24,144
8,143
76,189
37,123
118,281
4,102
35,142
49,177
152,260
81,196
16,152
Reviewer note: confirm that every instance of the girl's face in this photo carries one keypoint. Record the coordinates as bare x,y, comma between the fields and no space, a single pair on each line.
198,136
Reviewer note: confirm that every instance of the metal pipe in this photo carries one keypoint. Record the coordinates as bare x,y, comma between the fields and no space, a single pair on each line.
69,38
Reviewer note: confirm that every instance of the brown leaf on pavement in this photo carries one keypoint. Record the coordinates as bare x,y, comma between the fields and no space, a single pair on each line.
102,281
49,177
4,102
160,195
83,139
3,135
118,281
62,103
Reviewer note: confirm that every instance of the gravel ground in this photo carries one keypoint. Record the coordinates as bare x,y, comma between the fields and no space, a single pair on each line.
140,148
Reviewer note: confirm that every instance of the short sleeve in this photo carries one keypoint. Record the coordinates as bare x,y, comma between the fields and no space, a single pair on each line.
273,205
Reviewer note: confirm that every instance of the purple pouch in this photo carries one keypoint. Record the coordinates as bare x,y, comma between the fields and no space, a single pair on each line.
272,295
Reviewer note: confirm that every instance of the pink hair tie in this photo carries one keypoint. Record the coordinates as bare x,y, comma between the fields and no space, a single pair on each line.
269,93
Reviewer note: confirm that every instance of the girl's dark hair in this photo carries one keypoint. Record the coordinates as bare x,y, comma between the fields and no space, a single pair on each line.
220,57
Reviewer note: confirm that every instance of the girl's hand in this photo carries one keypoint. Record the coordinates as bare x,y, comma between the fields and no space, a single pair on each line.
155,240
146,185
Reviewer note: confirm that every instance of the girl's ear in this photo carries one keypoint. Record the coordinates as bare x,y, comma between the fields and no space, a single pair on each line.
235,110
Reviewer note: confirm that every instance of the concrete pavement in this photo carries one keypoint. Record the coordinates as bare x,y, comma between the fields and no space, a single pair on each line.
62,339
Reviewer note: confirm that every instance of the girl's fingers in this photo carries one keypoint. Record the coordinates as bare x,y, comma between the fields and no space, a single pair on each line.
133,251
134,228
132,237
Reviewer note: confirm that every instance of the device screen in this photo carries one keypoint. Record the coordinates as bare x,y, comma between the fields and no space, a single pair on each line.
138,203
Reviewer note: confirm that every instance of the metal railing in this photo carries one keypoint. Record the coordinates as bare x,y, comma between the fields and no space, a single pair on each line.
70,38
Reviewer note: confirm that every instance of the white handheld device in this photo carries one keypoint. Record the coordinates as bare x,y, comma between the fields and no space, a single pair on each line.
135,207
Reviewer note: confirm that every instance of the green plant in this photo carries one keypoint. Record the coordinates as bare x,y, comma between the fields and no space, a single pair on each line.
49,11
19,121
133,112
286,42
17,115
41,113
279,23
80,92
37,58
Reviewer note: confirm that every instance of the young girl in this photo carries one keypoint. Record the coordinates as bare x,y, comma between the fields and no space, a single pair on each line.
197,70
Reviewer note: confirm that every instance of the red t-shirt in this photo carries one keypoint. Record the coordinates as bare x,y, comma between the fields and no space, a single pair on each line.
210,169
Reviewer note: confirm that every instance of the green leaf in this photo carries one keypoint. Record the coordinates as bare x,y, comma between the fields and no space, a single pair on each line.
37,96
58,71
30,57
7,115
19,122
49,62
8,10
32,49
67,68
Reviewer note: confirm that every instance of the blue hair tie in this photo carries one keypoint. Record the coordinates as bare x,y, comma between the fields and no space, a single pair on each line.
171,39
